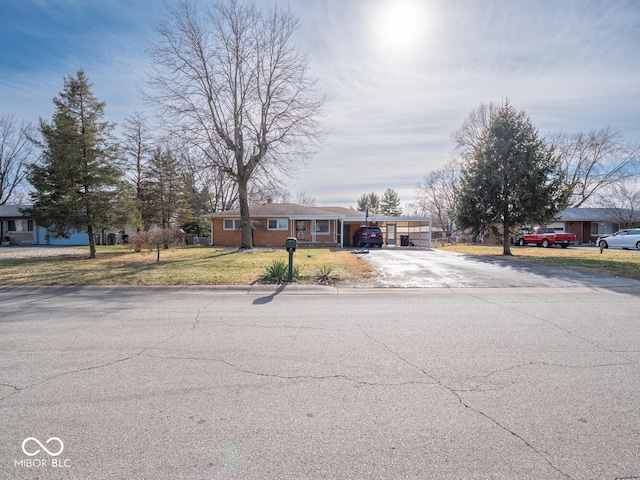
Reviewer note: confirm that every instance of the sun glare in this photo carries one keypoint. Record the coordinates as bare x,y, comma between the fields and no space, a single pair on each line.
400,26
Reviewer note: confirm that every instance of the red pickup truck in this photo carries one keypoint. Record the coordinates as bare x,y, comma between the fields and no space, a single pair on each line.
545,237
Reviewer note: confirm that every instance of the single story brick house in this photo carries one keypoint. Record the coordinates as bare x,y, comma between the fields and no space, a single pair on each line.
590,223
273,223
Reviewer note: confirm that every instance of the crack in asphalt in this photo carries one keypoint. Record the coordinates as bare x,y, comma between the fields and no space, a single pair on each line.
283,327
111,363
287,377
550,364
555,325
481,389
70,372
456,393
484,389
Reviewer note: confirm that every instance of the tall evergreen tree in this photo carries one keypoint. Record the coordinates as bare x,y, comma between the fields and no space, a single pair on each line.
165,197
370,201
511,178
78,186
390,203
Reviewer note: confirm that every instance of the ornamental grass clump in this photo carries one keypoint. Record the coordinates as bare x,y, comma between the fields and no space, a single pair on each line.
324,274
278,272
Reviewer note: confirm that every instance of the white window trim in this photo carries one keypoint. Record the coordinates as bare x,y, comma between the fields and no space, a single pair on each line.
278,227
237,224
328,232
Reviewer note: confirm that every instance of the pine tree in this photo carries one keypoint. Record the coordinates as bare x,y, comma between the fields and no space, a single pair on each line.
370,201
79,185
511,178
390,203
165,197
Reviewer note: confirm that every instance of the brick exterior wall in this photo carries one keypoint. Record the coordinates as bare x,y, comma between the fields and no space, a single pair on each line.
261,235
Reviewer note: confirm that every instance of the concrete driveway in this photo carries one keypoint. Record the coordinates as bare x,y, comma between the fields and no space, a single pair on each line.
419,268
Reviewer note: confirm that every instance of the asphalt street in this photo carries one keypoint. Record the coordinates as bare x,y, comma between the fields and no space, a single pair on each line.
320,383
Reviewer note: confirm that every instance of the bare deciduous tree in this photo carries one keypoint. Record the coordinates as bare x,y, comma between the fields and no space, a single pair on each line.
303,198
467,138
232,85
622,200
16,152
437,194
595,160
137,145
157,238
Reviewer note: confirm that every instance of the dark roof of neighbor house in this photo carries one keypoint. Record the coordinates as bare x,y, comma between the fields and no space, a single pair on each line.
290,210
581,214
12,211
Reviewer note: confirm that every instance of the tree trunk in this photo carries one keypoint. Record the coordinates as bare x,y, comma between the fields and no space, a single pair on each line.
506,240
92,242
247,238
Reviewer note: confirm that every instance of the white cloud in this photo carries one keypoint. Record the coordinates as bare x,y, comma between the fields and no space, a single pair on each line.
394,101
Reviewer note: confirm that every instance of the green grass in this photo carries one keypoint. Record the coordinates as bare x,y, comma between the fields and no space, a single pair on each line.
610,262
117,265
178,266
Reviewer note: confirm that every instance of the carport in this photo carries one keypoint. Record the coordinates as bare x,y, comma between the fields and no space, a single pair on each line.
398,231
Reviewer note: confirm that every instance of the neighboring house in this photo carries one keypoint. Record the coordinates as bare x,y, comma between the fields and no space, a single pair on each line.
590,223
273,223
18,229
15,227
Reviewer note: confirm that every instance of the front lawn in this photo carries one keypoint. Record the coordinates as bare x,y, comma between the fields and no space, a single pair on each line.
177,266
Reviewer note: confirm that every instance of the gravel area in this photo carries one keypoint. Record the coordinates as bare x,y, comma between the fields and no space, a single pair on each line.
12,252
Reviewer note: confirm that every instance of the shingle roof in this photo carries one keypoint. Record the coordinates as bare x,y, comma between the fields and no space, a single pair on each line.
12,211
587,215
289,210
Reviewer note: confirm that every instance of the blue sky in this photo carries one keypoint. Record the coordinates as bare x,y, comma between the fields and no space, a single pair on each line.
401,75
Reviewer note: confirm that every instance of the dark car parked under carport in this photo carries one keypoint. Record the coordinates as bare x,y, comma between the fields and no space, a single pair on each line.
371,236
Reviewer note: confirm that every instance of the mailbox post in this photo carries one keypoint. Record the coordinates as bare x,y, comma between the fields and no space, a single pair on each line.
291,243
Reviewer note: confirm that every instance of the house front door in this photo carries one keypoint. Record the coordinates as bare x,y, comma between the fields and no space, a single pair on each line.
391,234
301,230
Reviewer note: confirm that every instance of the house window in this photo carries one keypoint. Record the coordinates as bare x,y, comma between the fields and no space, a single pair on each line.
20,225
322,227
278,224
603,228
232,224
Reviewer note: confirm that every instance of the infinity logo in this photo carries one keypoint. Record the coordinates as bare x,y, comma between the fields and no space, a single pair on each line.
32,439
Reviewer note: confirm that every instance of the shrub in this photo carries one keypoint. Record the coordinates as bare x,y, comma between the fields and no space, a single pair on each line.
324,274
278,272
156,238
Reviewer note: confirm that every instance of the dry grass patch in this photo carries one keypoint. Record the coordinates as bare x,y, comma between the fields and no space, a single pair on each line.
177,266
610,262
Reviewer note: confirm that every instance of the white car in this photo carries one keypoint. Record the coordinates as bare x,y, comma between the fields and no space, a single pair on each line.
629,238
